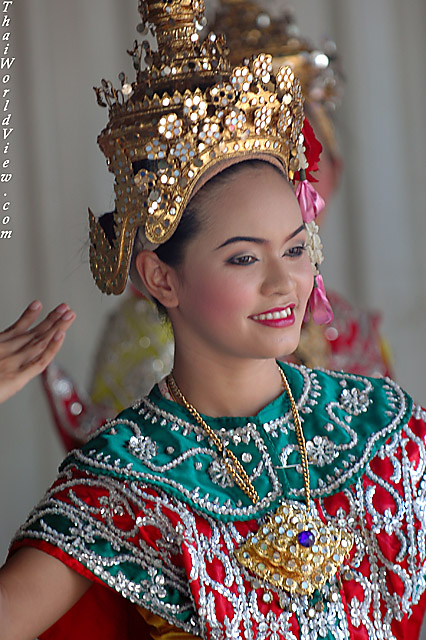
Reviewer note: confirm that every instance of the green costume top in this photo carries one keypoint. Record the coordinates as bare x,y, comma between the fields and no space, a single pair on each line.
345,420
147,508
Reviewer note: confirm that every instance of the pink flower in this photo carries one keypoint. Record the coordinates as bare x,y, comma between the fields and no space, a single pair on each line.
310,202
318,303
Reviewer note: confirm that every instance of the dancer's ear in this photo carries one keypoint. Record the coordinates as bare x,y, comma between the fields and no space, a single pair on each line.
158,277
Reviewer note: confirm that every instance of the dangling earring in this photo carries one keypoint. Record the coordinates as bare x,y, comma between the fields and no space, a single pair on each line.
318,304
311,203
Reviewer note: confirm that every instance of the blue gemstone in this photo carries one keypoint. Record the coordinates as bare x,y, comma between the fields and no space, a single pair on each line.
306,538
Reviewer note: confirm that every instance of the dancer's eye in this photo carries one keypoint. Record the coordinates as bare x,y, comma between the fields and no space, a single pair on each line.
242,261
296,252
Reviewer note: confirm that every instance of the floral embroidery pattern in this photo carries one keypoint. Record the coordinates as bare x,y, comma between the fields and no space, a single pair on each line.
220,474
321,451
143,447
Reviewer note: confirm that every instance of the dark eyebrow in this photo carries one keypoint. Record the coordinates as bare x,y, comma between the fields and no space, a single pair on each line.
256,240
241,239
298,230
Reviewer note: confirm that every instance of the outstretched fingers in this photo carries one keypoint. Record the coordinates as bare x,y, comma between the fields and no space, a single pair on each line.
27,352
18,335
24,321
43,346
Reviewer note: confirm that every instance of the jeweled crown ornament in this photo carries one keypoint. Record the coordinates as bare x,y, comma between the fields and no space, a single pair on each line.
187,110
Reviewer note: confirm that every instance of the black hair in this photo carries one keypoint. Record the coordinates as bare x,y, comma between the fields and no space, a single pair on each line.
172,252
106,221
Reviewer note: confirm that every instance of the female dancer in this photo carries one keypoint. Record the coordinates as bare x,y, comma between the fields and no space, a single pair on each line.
135,348
241,498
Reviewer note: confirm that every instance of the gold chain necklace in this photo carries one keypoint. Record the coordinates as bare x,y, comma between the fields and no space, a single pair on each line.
231,462
233,465
294,550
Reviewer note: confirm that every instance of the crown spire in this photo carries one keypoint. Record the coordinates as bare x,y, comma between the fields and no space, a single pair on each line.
174,23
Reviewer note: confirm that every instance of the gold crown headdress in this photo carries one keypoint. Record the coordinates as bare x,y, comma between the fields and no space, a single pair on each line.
187,111
249,28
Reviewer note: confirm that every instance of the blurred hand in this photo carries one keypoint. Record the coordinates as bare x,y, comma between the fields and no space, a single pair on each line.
25,352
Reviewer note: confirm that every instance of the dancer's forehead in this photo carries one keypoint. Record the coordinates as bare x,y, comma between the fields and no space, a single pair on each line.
231,166
253,202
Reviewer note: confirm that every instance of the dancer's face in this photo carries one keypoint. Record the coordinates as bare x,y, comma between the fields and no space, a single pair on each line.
245,278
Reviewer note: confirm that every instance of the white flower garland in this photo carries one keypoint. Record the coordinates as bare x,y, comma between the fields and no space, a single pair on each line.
314,245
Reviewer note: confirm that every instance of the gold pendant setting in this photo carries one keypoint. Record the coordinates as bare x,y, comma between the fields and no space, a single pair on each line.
295,551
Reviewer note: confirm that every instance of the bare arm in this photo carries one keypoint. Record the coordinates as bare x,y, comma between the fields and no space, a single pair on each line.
35,590
26,351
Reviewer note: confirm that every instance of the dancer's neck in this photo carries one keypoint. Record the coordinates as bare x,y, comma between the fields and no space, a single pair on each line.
227,386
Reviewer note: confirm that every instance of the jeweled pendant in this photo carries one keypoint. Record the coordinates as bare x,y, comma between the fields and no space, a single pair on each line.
295,551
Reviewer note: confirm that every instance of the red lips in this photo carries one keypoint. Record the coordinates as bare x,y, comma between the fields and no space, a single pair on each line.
277,318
